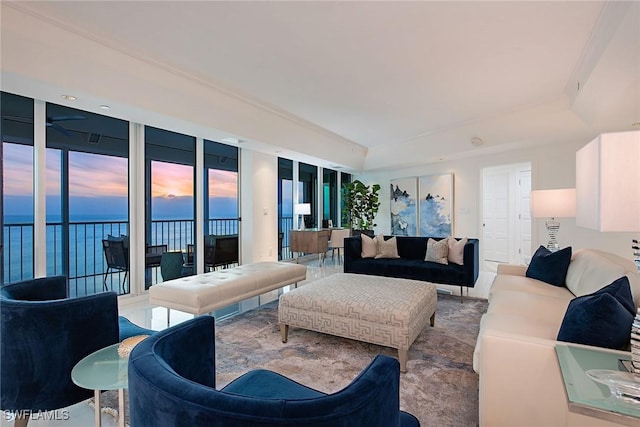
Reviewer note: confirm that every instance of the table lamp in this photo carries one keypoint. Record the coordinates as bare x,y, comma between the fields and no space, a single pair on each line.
560,203
608,185
302,209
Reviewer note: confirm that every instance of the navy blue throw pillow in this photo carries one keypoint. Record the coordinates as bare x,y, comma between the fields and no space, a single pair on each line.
601,319
550,267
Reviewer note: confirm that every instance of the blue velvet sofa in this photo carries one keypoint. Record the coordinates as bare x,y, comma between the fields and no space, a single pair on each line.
411,264
43,334
172,383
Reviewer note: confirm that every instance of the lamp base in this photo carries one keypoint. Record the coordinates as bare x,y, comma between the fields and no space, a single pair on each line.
553,227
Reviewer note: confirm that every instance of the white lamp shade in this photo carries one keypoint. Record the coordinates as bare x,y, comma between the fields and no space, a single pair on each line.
302,208
608,183
558,203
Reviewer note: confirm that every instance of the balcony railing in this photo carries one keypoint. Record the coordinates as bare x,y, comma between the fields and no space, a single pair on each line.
87,264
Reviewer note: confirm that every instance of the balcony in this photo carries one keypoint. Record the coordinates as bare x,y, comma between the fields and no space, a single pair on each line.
87,263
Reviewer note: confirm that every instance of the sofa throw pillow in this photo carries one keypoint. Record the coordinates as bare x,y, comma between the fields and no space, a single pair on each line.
437,251
386,248
601,319
456,250
369,247
550,267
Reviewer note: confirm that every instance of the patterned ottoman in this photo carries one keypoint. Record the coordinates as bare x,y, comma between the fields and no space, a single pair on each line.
380,310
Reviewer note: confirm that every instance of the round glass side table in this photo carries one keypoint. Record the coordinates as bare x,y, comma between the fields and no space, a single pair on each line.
103,370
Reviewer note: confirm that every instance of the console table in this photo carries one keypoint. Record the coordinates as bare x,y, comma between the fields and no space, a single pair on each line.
310,241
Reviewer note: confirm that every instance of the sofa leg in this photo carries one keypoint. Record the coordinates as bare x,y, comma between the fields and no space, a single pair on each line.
432,321
402,358
460,294
284,332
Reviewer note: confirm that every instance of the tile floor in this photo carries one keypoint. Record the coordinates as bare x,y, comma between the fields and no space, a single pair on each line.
81,414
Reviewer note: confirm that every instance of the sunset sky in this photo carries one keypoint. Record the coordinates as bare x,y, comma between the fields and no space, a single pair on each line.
95,176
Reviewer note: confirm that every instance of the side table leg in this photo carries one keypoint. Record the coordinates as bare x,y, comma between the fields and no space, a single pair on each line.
97,415
121,407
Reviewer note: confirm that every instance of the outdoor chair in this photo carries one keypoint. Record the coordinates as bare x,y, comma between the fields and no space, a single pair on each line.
172,265
117,256
210,251
226,252
172,383
44,334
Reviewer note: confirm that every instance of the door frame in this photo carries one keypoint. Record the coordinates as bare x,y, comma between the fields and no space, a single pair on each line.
514,170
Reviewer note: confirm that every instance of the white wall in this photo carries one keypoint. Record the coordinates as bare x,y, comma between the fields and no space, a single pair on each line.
258,206
553,166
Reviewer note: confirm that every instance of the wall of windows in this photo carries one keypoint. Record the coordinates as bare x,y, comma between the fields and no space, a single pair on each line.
87,202
87,197
16,185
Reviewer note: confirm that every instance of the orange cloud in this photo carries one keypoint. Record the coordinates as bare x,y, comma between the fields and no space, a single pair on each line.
171,180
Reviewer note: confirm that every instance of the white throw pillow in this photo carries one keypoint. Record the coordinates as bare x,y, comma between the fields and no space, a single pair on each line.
369,248
387,248
456,250
437,251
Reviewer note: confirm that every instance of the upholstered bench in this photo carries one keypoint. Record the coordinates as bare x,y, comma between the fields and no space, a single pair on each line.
203,293
380,310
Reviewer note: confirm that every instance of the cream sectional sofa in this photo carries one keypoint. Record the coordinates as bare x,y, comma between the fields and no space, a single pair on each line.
520,379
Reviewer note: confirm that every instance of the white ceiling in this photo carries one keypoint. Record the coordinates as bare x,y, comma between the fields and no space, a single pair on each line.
381,74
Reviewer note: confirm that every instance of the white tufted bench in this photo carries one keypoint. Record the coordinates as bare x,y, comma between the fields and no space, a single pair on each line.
380,310
203,293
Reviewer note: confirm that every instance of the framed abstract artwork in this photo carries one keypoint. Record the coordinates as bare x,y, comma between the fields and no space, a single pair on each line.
436,205
404,192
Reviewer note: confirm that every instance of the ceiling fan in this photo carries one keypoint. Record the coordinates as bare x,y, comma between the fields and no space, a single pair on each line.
51,121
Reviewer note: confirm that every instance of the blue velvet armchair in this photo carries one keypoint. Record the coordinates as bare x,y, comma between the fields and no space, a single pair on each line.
172,383
43,334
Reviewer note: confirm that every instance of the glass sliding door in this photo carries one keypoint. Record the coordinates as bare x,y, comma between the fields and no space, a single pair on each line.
87,200
345,179
16,187
285,206
169,201
221,205
308,192
329,197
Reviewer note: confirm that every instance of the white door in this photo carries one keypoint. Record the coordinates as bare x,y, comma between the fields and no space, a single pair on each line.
523,226
495,220
506,236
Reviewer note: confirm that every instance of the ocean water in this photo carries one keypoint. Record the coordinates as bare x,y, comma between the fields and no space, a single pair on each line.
86,255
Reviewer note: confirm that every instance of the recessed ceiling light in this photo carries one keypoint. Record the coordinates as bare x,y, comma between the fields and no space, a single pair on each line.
105,107
476,142
69,97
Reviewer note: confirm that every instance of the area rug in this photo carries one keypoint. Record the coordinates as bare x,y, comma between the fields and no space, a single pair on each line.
440,387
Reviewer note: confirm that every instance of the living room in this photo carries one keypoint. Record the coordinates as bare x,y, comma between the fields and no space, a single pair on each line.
578,78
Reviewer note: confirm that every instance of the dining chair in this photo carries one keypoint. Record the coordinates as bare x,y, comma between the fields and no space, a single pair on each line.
336,240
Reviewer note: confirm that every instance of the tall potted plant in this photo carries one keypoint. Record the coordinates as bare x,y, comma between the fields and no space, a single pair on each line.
361,204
